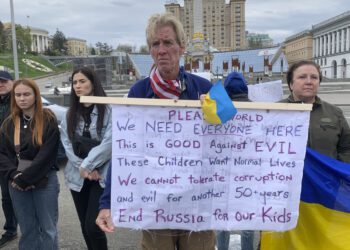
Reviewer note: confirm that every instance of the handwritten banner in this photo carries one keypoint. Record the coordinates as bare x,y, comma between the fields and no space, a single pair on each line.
170,169
266,92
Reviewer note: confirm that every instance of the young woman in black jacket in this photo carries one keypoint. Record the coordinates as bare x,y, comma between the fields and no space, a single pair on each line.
28,149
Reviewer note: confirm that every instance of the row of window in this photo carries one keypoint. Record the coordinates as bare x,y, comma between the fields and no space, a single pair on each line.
322,61
334,42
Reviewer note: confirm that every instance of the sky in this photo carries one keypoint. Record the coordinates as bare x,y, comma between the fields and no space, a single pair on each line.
124,21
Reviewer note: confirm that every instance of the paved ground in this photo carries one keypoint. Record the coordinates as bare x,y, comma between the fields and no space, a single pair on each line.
70,235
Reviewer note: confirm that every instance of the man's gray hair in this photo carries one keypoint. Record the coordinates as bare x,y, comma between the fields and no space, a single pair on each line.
157,21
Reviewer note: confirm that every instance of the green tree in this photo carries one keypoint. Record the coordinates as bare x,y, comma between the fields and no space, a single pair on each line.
104,48
50,52
92,51
2,38
59,43
24,40
144,49
127,48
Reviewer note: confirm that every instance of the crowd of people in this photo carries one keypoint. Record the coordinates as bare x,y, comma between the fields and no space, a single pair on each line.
30,137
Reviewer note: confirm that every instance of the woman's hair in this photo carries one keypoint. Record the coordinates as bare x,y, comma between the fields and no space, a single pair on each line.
40,115
290,73
76,108
157,21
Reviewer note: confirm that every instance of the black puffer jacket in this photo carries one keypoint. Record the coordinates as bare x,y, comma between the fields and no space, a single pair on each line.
43,157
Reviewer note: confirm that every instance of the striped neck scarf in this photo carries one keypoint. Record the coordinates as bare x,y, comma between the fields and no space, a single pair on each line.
164,89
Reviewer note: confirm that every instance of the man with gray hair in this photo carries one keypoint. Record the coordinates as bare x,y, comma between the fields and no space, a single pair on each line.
167,80
10,227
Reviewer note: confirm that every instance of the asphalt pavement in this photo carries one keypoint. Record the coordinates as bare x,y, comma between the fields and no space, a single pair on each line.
70,236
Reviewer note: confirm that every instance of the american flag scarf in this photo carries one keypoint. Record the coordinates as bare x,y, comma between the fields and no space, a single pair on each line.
164,89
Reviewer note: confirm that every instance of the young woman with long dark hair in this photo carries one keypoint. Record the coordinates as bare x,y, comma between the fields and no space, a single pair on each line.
87,139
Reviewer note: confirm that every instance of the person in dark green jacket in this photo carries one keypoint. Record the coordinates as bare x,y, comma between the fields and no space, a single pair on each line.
329,132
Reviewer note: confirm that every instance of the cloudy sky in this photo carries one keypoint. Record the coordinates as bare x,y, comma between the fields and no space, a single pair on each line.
124,21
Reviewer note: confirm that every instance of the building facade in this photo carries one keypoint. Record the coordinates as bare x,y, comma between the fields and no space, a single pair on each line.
76,47
40,39
255,40
331,46
299,47
223,25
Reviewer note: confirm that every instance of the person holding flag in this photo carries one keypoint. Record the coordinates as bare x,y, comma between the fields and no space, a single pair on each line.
324,213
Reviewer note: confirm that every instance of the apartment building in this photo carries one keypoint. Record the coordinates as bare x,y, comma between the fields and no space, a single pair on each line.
223,25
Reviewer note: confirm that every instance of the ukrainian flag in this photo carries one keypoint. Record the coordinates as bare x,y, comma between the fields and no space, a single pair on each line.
324,213
217,106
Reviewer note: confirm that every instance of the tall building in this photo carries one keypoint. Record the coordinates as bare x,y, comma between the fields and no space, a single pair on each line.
223,25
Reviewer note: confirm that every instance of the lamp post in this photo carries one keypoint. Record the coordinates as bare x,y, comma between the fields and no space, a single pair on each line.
14,43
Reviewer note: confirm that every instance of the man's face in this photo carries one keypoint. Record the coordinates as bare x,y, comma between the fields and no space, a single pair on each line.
5,86
166,52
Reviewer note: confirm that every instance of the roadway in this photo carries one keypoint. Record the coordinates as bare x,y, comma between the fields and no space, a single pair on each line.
333,92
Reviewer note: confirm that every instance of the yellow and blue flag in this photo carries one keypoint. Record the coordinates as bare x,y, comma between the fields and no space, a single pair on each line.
324,212
217,106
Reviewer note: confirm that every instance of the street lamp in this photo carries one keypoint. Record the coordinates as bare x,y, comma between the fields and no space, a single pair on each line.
14,44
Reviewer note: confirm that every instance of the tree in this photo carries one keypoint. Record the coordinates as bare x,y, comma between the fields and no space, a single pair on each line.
59,42
92,51
127,48
2,38
50,52
144,49
24,40
104,48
